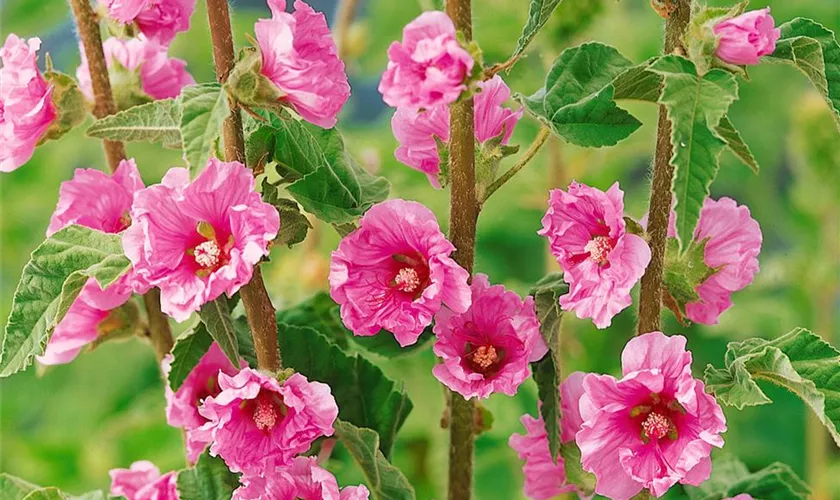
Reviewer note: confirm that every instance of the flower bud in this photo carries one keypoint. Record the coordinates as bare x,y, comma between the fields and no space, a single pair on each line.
744,39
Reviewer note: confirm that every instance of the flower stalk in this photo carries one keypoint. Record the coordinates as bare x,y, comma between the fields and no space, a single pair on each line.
258,307
529,154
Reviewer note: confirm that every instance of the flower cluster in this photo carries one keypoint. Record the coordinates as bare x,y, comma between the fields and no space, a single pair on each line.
302,480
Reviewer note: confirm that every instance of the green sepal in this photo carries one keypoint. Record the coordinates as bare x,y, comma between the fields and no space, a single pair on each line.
443,154
70,104
127,86
684,272
249,86
701,42
488,157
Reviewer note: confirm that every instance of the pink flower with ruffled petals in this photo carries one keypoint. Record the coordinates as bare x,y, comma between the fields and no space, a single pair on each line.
143,482
256,420
487,348
300,57
654,427
159,20
301,480
161,76
201,383
746,38
197,240
429,67
601,261
416,130
545,479
395,272
26,107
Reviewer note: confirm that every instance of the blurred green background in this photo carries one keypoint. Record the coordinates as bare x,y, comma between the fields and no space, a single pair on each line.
68,425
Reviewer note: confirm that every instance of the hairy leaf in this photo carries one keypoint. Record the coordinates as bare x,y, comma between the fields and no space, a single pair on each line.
187,352
730,477
365,397
14,488
585,481
51,281
539,13
544,372
157,121
51,493
799,361
293,225
695,107
209,479
216,317
736,143
385,481
204,108
546,293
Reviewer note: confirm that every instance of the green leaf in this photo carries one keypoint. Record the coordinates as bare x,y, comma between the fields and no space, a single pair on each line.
799,361
585,481
730,477
51,281
204,108
538,14
544,372
259,146
293,225
157,121
324,179
209,479
385,481
736,143
186,353
577,101
685,271
365,397
14,488
695,107
216,317
814,50
546,293
51,493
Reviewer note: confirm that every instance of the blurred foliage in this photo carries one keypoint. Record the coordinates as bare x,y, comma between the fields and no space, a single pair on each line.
68,425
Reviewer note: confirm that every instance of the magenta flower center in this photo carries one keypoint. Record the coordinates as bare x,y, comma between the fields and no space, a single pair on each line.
657,419
410,274
207,254
267,411
599,249
484,359
407,280
656,426
124,222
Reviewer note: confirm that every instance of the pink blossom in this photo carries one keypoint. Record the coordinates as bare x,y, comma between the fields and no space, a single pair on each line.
301,480
746,38
159,20
654,427
201,383
196,240
161,76
26,107
255,420
300,57
416,130
487,348
395,272
601,261
143,482
429,67
545,479
742,496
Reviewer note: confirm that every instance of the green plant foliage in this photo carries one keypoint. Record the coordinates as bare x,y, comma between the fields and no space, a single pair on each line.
799,361
293,225
365,397
696,104
209,479
51,281
216,317
14,488
385,481
157,121
585,481
539,13
577,100
544,372
204,108
187,352
685,271
730,477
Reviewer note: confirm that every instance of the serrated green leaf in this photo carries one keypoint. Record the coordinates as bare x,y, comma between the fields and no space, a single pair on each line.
187,352
216,317
695,108
736,143
799,361
814,50
51,281
385,481
209,479
365,397
730,477
578,98
544,372
51,493
546,293
204,108
539,12
157,121
293,225
15,488
585,481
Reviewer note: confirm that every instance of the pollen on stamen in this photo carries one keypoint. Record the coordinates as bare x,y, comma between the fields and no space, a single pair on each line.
407,280
484,356
599,249
265,415
207,254
656,426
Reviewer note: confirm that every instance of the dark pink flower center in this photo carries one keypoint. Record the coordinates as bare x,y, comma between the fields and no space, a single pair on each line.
657,418
656,426
210,389
124,222
267,410
410,274
599,249
485,359
209,254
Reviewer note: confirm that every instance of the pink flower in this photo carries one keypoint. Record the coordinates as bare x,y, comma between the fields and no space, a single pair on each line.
416,130
161,76
256,420
545,479
196,240
300,57
143,482
746,38
26,107
487,348
202,382
302,480
742,496
429,67
653,428
394,272
601,261
159,20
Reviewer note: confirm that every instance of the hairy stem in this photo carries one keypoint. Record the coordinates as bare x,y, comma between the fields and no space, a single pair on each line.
650,296
526,157
343,20
258,306
463,217
87,26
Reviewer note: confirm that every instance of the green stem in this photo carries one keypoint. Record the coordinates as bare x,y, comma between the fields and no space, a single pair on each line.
526,157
